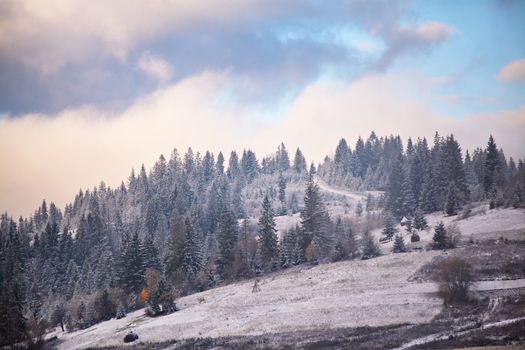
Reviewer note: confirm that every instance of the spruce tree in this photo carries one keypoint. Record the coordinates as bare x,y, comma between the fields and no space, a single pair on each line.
395,199
282,159
299,163
150,255
287,248
427,201
451,201
390,227
175,253
440,236
267,235
234,169
370,247
219,165
420,222
282,194
399,244
359,209
342,158
314,219
133,266
226,239
192,260
490,167
104,274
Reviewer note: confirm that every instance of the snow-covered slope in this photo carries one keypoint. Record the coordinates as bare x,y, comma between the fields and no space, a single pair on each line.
485,224
346,294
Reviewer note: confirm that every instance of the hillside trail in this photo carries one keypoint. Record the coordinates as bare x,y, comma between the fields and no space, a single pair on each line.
445,335
492,306
328,188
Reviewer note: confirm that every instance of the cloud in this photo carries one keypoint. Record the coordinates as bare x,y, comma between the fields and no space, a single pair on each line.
513,72
52,156
110,28
75,53
155,67
402,39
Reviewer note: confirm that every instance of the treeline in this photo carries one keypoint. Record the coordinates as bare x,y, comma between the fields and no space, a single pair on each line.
185,226
427,178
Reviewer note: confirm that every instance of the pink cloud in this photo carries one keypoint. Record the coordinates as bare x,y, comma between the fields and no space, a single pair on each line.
513,72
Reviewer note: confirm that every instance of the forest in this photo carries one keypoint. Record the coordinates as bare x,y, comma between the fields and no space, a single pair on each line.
184,226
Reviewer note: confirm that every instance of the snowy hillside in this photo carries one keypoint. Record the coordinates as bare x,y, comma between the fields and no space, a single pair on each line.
346,294
355,293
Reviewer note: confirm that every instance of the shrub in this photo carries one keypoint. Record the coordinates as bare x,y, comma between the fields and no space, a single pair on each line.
130,337
455,277
311,253
453,235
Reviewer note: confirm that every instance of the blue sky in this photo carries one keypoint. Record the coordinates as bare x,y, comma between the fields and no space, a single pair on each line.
86,83
487,36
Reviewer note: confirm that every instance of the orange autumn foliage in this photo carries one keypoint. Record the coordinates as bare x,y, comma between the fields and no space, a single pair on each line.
143,296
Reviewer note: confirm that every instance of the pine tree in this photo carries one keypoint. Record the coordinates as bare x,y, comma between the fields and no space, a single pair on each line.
359,209
208,167
287,247
420,222
249,165
314,219
133,266
175,254
299,163
451,201
150,255
226,239
409,201
390,227
440,236
282,194
282,159
267,235
399,244
395,195
219,165
342,158
490,166
427,202
104,275
233,166
370,248
192,253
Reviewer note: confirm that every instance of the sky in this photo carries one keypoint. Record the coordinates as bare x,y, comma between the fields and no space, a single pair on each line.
91,89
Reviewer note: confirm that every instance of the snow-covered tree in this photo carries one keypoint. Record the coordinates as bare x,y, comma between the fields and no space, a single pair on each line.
440,236
390,227
267,236
314,219
399,244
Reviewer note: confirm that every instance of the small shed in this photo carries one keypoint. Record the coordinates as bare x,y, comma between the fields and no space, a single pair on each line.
404,221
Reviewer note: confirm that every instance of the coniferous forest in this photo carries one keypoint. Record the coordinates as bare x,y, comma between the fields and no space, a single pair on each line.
196,221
